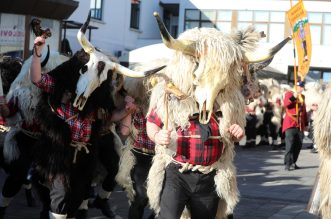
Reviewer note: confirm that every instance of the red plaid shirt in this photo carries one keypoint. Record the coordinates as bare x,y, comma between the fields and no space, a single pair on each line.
2,120
80,127
142,141
194,150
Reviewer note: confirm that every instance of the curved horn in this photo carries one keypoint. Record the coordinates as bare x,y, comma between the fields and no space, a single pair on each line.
187,47
44,62
133,74
255,67
253,57
86,45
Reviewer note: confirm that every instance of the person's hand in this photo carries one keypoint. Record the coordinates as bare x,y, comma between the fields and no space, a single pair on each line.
162,137
128,99
131,107
236,131
314,107
39,44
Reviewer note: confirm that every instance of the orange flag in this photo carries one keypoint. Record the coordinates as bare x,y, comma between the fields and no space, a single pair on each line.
298,18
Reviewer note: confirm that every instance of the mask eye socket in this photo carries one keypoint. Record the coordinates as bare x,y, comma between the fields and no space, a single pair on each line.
83,69
194,75
196,66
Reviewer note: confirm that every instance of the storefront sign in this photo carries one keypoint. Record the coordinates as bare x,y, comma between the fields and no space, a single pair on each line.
11,37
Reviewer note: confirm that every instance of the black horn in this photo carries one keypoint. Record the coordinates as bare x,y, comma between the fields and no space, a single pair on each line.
84,42
187,47
87,22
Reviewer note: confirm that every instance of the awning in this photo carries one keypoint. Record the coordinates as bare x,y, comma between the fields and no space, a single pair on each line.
264,74
70,24
53,9
146,54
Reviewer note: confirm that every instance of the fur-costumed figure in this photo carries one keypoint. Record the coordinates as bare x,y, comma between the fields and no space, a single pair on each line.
272,119
26,96
210,68
19,142
109,144
9,69
322,138
139,150
73,93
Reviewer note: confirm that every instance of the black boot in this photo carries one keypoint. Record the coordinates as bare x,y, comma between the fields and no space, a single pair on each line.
91,192
152,216
81,214
230,216
2,212
44,215
29,198
103,205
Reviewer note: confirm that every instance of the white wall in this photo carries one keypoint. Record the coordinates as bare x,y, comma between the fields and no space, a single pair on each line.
54,40
114,31
320,54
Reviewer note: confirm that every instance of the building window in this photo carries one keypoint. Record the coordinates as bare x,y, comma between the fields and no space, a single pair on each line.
135,14
315,74
220,19
327,29
271,22
320,28
96,9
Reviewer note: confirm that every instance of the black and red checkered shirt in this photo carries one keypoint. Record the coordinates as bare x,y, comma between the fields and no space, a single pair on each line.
192,149
80,127
142,141
2,120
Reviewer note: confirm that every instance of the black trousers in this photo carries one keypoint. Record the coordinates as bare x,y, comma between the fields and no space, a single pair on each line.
66,197
250,128
192,189
2,139
18,169
270,127
139,175
293,144
109,159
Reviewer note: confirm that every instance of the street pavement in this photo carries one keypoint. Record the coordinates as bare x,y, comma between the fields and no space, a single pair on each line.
266,189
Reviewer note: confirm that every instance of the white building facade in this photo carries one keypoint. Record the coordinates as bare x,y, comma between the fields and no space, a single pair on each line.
124,25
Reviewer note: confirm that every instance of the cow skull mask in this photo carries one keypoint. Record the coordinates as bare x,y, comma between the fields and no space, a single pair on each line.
209,78
96,70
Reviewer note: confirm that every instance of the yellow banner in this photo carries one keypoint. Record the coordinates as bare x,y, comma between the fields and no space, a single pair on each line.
298,18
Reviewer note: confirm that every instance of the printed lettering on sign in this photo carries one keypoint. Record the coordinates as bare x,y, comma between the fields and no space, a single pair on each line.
11,37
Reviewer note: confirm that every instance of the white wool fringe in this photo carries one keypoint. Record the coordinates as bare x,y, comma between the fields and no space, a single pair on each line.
322,137
10,149
123,177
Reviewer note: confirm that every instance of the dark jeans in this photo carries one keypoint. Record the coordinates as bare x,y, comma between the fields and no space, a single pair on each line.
194,189
109,159
139,175
270,127
293,144
250,128
18,169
